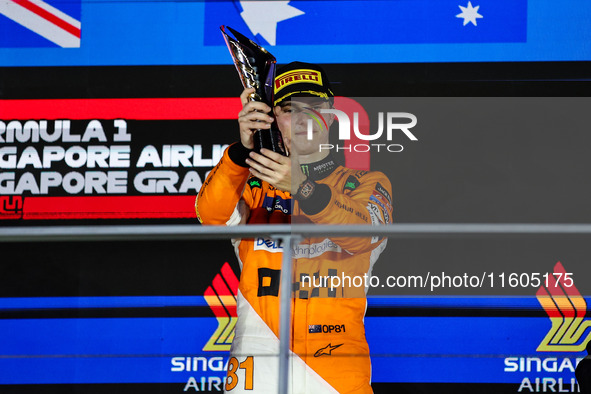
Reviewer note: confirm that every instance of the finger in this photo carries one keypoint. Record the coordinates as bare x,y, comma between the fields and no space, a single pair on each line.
261,162
274,162
255,106
254,126
259,168
276,157
253,116
258,106
244,97
261,175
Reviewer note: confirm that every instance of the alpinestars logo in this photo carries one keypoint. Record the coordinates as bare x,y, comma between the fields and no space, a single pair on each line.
327,350
221,298
566,309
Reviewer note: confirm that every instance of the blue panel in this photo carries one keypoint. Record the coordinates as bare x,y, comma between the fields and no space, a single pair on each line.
381,22
117,350
13,35
455,302
404,349
459,350
69,7
100,302
184,32
176,301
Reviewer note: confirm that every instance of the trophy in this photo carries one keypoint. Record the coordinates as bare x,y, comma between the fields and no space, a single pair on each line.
256,68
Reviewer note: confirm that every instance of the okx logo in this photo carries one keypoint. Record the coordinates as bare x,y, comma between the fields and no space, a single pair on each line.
566,309
221,298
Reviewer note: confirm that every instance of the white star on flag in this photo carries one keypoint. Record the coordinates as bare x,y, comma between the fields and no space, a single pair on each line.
262,17
469,14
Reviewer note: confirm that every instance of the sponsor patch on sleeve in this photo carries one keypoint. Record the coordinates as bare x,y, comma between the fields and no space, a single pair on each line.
375,213
381,208
254,183
379,198
382,190
350,184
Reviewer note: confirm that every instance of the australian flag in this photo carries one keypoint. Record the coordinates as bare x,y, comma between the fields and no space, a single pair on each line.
314,328
369,22
37,23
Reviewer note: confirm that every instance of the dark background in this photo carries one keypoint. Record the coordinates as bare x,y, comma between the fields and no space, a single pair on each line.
186,268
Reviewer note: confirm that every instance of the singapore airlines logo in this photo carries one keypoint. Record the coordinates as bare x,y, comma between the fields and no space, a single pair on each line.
221,298
566,309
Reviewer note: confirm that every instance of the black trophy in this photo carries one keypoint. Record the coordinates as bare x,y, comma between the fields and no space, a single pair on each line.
256,67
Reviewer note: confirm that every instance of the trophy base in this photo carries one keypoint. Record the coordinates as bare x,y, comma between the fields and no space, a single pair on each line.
269,139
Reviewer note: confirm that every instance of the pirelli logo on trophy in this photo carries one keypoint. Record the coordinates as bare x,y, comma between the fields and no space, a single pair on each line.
295,76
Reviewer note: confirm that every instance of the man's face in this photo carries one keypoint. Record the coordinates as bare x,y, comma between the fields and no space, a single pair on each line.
293,117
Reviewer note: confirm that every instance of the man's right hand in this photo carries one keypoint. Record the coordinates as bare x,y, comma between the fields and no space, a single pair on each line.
253,117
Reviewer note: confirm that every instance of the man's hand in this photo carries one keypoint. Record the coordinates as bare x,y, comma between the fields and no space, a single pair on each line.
276,170
252,118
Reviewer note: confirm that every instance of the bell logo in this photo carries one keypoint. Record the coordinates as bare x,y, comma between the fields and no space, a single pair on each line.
221,298
566,309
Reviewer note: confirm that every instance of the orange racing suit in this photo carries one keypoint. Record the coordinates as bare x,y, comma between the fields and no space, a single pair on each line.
329,350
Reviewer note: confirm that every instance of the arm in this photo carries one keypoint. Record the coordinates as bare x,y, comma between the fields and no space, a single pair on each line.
217,202
219,195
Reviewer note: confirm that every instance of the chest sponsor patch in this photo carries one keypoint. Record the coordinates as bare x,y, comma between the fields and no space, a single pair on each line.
299,251
314,250
269,245
276,203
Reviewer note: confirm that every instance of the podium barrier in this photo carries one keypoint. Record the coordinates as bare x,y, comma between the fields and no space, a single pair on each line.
289,235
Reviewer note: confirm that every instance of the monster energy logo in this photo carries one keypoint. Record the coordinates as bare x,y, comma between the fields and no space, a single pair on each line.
305,169
254,183
350,185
